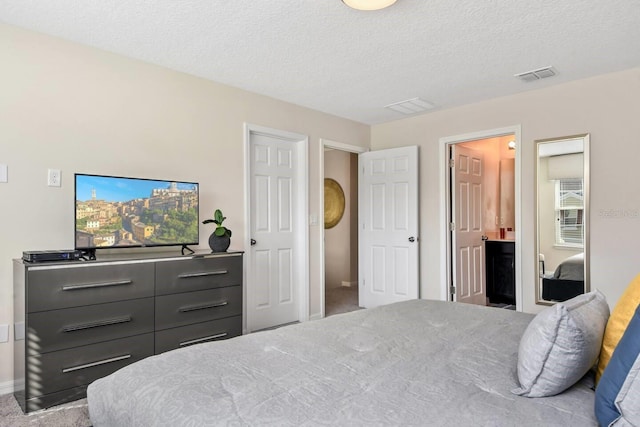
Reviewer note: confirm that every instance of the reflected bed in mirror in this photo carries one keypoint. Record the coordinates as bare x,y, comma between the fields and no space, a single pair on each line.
562,213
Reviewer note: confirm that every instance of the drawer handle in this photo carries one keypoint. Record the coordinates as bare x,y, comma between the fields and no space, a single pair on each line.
96,324
202,306
96,285
98,363
199,340
205,274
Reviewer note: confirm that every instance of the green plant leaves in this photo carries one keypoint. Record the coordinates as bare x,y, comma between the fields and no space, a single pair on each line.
218,219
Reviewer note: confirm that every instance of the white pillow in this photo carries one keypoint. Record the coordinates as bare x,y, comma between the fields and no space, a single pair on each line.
561,344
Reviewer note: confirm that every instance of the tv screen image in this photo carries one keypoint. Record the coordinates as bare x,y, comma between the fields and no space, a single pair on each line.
113,212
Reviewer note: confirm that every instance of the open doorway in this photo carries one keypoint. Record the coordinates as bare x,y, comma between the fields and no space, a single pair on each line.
340,231
481,216
482,210
340,223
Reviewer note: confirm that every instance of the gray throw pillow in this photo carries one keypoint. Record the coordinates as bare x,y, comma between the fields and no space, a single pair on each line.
561,344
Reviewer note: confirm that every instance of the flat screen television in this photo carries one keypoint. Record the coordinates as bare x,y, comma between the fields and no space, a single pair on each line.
118,212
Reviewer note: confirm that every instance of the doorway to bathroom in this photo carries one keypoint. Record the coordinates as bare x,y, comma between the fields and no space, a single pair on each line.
481,219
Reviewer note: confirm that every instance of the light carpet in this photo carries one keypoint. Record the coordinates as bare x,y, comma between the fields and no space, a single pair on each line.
72,414
342,299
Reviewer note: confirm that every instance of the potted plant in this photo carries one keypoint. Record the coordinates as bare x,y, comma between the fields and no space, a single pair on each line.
220,239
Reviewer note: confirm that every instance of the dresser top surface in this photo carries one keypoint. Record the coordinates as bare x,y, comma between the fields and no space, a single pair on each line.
130,258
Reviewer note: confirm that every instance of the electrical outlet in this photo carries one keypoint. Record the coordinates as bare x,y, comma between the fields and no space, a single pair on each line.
54,178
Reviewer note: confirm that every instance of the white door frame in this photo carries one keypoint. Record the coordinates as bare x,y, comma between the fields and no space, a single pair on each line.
324,144
445,237
302,193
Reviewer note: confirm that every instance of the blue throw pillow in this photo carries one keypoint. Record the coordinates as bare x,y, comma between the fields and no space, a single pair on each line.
616,377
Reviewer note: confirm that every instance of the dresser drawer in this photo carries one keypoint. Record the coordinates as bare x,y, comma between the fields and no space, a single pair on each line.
199,306
50,288
60,370
70,327
198,333
197,274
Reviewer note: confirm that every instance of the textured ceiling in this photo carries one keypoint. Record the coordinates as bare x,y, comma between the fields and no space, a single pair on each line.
323,55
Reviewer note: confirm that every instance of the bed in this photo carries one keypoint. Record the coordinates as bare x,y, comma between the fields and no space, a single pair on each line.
567,280
418,362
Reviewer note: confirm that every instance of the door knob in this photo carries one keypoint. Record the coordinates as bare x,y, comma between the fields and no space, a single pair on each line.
253,242
412,239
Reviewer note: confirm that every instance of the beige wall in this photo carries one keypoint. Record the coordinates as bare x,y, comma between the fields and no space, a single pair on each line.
79,109
607,107
353,182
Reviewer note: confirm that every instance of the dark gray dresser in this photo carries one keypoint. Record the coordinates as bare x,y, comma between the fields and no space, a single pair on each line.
84,320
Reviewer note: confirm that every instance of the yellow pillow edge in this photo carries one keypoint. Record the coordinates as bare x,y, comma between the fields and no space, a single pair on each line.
618,322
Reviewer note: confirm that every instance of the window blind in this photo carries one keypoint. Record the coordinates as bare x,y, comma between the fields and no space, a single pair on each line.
569,212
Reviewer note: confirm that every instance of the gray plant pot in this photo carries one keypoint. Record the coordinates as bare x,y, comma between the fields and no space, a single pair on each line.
219,243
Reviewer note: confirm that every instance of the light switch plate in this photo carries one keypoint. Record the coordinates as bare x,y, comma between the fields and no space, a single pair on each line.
4,174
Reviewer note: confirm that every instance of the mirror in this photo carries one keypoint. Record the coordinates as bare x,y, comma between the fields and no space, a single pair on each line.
562,218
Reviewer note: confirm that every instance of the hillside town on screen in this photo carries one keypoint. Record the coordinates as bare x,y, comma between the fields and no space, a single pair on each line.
166,215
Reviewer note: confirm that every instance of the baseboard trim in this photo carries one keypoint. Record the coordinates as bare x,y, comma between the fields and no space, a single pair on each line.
6,388
316,316
349,284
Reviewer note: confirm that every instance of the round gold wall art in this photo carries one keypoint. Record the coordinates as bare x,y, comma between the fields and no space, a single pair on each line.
333,203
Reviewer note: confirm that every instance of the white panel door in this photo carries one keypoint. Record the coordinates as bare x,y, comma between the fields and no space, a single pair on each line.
272,297
388,230
468,255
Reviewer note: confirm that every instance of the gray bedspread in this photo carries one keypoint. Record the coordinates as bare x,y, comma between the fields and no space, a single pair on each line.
411,363
571,268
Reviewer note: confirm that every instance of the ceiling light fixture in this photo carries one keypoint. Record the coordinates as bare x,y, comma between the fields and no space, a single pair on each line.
368,4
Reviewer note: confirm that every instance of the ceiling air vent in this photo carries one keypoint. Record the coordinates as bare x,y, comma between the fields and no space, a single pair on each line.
540,73
410,106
